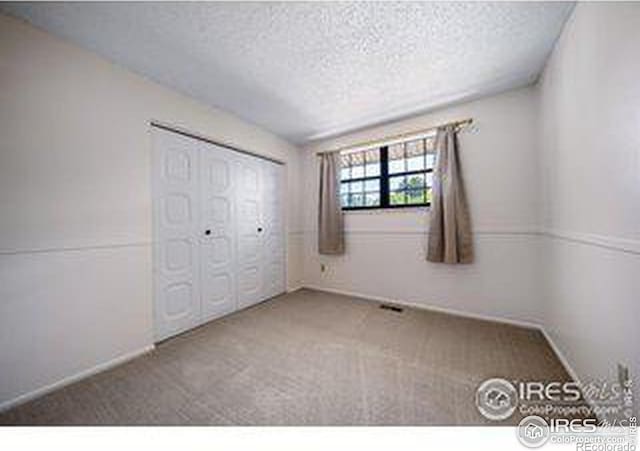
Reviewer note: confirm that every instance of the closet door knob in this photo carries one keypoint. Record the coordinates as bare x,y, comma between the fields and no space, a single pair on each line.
259,229
207,232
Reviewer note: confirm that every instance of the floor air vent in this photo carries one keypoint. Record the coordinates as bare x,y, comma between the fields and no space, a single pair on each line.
393,308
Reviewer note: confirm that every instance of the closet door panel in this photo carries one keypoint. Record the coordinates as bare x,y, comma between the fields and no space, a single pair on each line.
249,204
176,247
219,242
218,234
273,254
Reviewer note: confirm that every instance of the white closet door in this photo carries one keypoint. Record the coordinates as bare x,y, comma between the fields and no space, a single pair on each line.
218,234
249,204
273,254
176,226
218,231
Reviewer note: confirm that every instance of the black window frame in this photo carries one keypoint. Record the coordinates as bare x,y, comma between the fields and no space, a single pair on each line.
384,185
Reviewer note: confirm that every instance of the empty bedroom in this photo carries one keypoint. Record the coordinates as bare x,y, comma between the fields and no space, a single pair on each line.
318,215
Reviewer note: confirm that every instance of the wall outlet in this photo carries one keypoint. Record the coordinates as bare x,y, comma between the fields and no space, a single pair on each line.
623,374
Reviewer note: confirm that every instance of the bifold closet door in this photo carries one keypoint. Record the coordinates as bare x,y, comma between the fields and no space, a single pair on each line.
273,241
261,255
218,231
250,230
176,231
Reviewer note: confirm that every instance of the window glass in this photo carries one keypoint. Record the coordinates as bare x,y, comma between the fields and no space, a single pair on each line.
397,183
397,198
396,159
372,163
360,179
408,168
415,181
345,167
372,185
372,199
415,155
429,179
356,187
356,200
415,196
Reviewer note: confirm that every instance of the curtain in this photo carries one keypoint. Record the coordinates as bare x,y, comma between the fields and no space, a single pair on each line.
330,221
450,238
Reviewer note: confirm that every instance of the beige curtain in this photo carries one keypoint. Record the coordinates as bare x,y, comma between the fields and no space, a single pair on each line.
330,221
450,239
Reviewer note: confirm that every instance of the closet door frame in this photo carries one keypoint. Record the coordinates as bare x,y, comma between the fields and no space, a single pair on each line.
155,191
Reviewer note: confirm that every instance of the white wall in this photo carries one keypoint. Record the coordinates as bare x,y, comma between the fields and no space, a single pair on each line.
553,174
590,146
75,205
553,177
385,256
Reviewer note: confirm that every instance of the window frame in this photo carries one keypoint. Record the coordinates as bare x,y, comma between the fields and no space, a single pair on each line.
384,185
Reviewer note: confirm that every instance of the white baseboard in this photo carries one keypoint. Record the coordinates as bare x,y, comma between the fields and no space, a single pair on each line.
25,397
560,355
567,366
296,288
496,319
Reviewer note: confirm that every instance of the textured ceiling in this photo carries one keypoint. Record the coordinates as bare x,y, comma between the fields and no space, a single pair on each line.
312,70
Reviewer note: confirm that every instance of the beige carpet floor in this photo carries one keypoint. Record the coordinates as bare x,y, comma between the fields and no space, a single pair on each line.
307,358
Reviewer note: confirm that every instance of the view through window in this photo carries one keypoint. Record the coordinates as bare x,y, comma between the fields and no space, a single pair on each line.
393,176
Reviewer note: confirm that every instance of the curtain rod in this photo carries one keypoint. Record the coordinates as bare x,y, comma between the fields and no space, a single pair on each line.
400,136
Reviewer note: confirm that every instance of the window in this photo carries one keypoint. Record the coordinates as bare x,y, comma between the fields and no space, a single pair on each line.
394,176
360,175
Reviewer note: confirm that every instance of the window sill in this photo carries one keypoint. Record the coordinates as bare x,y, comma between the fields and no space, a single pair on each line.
382,211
